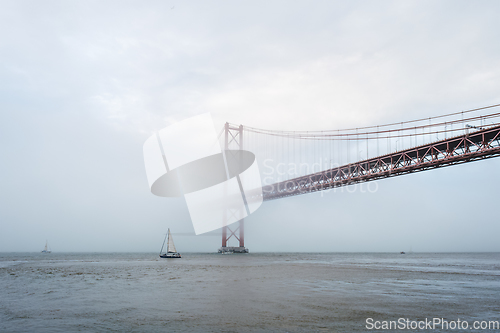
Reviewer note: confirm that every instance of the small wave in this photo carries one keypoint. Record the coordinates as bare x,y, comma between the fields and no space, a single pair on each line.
4,264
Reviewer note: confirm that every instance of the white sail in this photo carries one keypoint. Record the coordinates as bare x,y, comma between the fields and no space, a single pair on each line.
170,243
46,249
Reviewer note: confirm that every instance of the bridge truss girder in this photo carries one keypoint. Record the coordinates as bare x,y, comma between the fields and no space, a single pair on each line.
478,145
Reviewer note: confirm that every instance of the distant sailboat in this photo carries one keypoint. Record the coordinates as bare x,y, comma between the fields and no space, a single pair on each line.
46,249
171,251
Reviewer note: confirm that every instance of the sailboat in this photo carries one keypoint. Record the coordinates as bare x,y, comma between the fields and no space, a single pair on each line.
46,249
171,251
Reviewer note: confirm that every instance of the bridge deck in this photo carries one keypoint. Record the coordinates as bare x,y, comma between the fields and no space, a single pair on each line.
478,145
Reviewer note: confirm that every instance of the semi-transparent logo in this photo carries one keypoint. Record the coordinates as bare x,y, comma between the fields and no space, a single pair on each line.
220,186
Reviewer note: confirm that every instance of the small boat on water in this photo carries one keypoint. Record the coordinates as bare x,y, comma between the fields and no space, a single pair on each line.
171,251
46,249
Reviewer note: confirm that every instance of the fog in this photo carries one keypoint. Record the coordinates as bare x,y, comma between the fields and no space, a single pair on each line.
84,84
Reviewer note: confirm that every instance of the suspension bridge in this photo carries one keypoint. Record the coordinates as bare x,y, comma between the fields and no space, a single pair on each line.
300,162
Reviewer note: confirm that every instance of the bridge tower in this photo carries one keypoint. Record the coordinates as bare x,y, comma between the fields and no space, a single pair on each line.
233,140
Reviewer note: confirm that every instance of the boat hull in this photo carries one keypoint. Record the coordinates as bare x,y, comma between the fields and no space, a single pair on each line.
170,255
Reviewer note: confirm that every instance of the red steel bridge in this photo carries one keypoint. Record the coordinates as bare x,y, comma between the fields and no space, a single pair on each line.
475,146
300,162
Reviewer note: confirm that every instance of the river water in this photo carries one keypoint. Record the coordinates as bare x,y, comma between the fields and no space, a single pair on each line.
256,292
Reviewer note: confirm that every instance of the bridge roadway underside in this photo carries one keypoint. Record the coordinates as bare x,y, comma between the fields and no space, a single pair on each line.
474,146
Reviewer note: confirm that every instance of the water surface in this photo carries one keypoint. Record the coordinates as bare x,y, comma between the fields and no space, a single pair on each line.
256,292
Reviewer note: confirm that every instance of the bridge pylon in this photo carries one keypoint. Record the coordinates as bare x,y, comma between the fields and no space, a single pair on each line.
233,140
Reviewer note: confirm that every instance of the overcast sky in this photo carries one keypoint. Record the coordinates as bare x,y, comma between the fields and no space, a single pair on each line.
84,84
